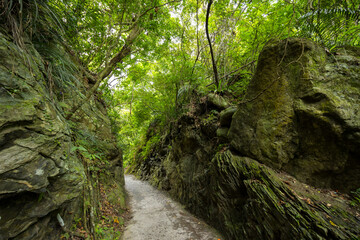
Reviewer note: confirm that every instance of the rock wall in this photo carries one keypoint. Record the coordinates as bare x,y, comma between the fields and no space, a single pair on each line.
40,177
307,121
232,186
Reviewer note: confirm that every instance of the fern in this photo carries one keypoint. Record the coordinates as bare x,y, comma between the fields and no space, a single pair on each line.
60,67
332,26
34,19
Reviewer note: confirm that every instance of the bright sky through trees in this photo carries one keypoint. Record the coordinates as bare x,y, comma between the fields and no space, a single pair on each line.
150,56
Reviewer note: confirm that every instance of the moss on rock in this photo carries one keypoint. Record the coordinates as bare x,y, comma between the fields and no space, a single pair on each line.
39,175
306,120
301,124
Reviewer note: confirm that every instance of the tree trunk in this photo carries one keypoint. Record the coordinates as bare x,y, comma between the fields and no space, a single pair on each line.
109,67
216,77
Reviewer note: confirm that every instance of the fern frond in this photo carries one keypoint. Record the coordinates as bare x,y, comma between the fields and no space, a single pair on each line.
31,19
332,26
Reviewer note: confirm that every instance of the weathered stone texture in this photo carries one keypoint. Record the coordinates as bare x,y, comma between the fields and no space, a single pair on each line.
39,175
307,119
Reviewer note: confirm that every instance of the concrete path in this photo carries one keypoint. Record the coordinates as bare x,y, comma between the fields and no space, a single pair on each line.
156,217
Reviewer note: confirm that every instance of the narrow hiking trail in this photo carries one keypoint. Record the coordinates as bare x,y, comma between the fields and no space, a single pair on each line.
157,217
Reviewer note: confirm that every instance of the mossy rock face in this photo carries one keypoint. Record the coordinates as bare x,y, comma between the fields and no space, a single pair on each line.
221,133
243,198
250,201
306,121
217,101
39,176
287,128
226,116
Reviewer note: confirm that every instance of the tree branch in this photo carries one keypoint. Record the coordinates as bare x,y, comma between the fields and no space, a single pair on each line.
135,31
148,10
238,69
109,67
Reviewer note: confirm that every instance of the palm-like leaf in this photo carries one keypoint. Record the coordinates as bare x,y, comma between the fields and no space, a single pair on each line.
332,26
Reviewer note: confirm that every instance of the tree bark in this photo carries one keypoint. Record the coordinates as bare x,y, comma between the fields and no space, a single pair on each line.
216,76
109,67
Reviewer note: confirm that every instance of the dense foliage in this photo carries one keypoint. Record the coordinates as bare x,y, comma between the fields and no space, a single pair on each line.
160,79
149,56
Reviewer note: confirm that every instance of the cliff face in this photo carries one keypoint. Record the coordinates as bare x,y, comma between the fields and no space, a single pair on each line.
307,122
299,116
41,175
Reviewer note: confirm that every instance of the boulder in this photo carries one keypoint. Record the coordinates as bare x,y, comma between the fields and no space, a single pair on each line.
217,101
301,113
226,116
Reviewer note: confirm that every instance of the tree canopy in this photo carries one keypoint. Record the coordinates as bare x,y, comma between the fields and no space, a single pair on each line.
147,57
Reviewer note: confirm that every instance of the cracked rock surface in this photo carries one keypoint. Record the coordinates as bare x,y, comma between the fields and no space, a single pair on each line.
40,176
